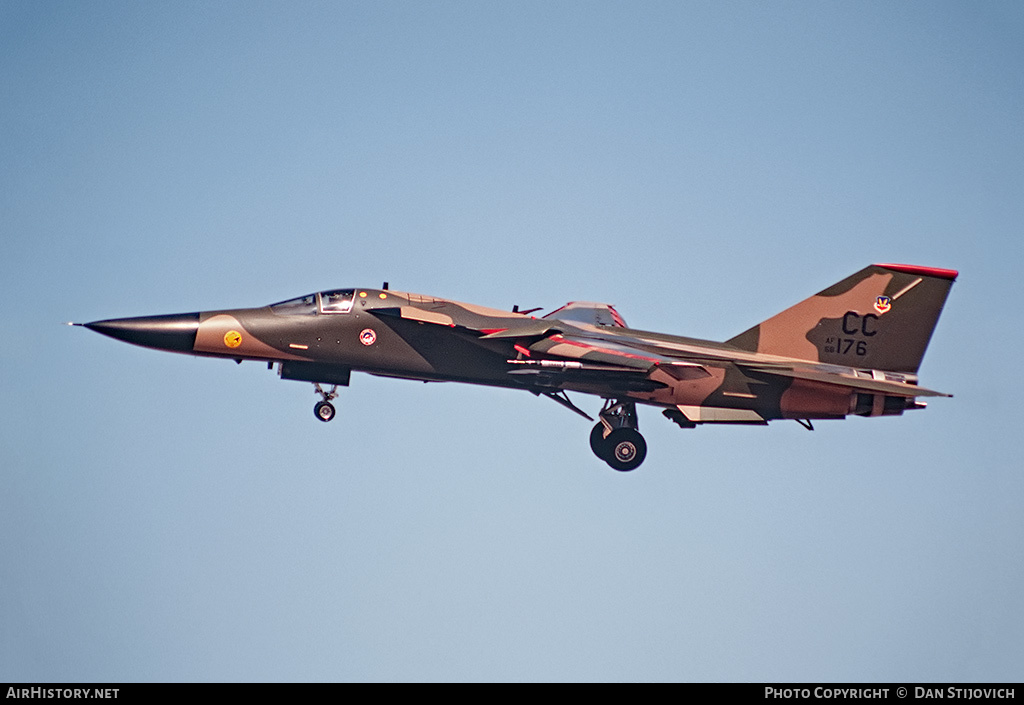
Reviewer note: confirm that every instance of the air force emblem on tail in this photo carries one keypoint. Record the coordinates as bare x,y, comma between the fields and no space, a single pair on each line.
883,304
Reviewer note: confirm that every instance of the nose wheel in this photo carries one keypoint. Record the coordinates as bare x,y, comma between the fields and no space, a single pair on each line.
324,410
616,440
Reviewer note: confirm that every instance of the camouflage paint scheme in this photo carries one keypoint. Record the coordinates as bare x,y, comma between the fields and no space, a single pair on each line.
854,348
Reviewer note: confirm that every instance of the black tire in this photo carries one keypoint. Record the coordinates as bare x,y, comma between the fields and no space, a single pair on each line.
626,449
324,410
598,443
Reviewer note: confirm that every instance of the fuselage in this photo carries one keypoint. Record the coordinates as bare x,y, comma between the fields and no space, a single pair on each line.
853,348
397,334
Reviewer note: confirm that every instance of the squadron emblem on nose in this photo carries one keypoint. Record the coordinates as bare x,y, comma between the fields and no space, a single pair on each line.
232,338
883,304
368,337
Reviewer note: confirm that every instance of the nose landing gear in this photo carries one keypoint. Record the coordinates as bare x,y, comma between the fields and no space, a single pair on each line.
615,439
324,410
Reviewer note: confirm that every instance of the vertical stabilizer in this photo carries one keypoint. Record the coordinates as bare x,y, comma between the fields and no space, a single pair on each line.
880,318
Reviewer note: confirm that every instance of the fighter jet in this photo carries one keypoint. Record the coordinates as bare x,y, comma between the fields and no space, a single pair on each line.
854,348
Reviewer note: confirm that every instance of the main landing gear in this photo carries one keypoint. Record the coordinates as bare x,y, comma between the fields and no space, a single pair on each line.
324,410
615,438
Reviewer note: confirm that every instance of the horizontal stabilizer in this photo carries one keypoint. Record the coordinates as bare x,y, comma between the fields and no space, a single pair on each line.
861,384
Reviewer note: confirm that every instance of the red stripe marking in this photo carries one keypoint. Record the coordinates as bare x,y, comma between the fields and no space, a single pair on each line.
616,317
489,331
923,271
563,341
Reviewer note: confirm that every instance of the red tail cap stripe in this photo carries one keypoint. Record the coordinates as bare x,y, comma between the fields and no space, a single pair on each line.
924,271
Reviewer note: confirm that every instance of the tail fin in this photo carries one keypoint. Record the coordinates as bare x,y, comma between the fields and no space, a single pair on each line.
881,318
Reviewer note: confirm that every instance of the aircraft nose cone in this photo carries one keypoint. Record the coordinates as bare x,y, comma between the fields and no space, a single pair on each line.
176,332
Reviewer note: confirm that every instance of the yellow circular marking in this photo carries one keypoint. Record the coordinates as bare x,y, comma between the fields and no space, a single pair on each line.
232,338
362,294
383,296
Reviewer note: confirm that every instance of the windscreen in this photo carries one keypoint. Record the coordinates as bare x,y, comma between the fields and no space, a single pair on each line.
301,305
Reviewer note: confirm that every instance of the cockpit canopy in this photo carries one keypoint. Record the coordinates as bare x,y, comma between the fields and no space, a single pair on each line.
336,301
339,301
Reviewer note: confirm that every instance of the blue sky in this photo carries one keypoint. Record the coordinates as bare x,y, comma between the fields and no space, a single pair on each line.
699,165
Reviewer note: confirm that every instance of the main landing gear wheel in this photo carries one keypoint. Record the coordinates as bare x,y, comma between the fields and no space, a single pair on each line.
597,442
615,438
626,449
324,410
